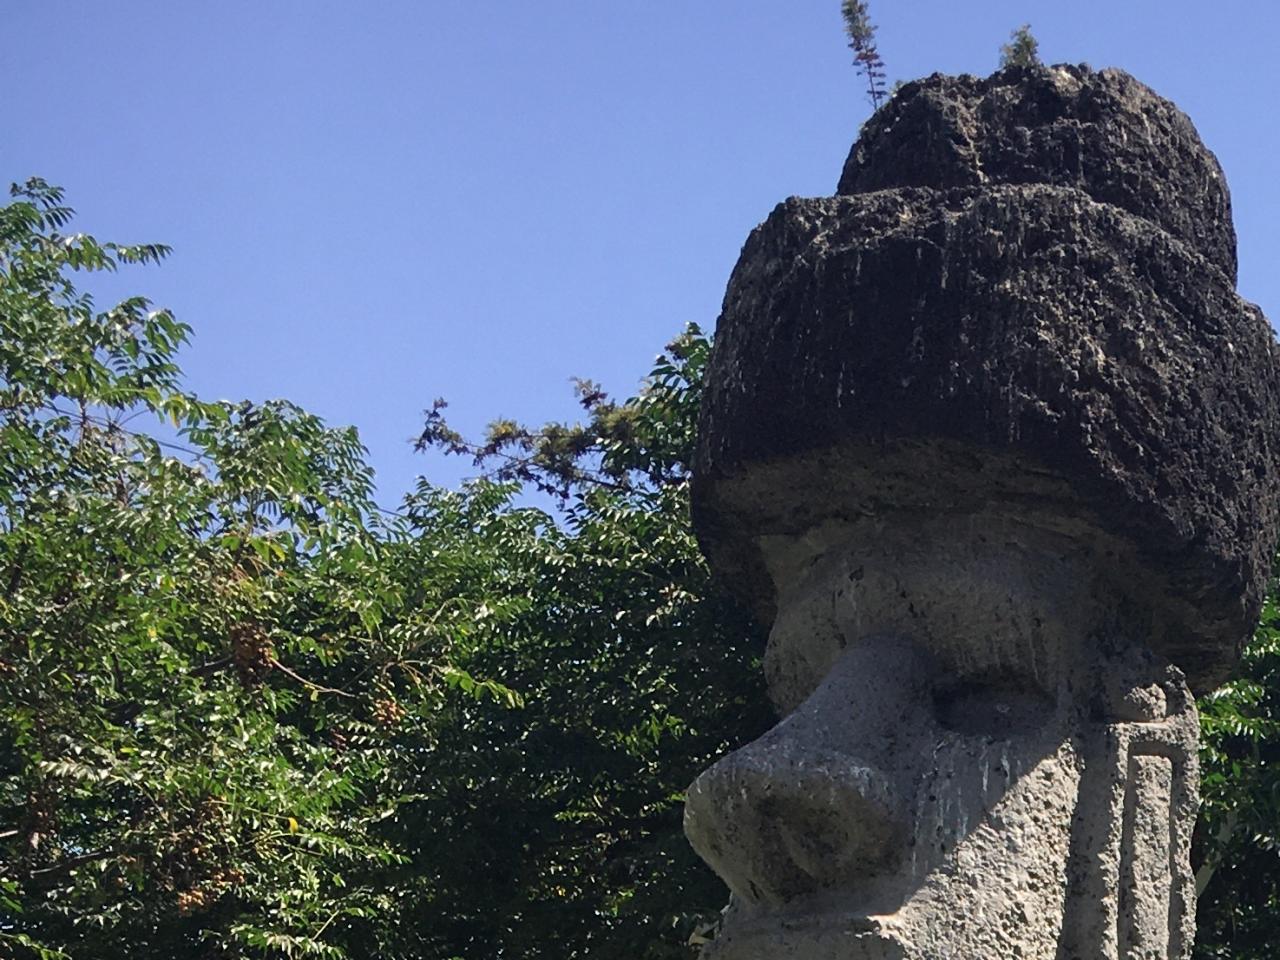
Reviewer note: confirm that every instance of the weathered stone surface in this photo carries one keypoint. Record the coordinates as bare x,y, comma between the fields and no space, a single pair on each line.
990,441
951,778
1115,374
1101,132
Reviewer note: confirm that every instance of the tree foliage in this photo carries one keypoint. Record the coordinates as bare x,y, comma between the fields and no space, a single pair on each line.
246,712
168,786
866,56
243,711
1022,50
1238,836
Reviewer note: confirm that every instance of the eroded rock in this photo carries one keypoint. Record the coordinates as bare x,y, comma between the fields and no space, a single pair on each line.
989,439
1100,132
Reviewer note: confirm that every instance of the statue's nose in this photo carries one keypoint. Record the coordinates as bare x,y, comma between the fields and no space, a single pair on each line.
779,820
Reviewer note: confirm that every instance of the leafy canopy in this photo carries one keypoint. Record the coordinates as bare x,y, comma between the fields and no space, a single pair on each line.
244,711
1022,50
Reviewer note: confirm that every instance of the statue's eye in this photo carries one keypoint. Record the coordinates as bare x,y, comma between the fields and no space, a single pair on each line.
998,707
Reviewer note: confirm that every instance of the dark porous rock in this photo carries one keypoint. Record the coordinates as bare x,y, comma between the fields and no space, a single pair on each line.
1037,323
1102,132
989,440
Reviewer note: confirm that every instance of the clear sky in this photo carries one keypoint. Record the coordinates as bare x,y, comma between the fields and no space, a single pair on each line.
374,204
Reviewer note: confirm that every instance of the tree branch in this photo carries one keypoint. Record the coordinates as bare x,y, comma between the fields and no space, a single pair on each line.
308,684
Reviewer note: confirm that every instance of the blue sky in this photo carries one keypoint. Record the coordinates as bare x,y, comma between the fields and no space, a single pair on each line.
374,204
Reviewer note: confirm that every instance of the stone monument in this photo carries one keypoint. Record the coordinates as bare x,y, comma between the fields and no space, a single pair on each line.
989,440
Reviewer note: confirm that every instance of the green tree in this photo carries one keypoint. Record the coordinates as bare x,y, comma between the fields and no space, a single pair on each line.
1022,50
168,789
1238,836
244,711
636,673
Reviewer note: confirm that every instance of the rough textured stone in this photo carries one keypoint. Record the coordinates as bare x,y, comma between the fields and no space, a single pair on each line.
989,440
1115,366
950,778
1104,133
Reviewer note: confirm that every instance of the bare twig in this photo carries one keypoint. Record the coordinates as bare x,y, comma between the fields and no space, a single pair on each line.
318,688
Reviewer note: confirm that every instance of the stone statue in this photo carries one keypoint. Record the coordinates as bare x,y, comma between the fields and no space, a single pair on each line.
989,439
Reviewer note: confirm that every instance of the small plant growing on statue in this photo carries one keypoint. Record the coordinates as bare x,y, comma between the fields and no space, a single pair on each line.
862,41
1022,50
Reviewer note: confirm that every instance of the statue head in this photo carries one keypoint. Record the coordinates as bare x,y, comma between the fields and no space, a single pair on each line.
986,439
